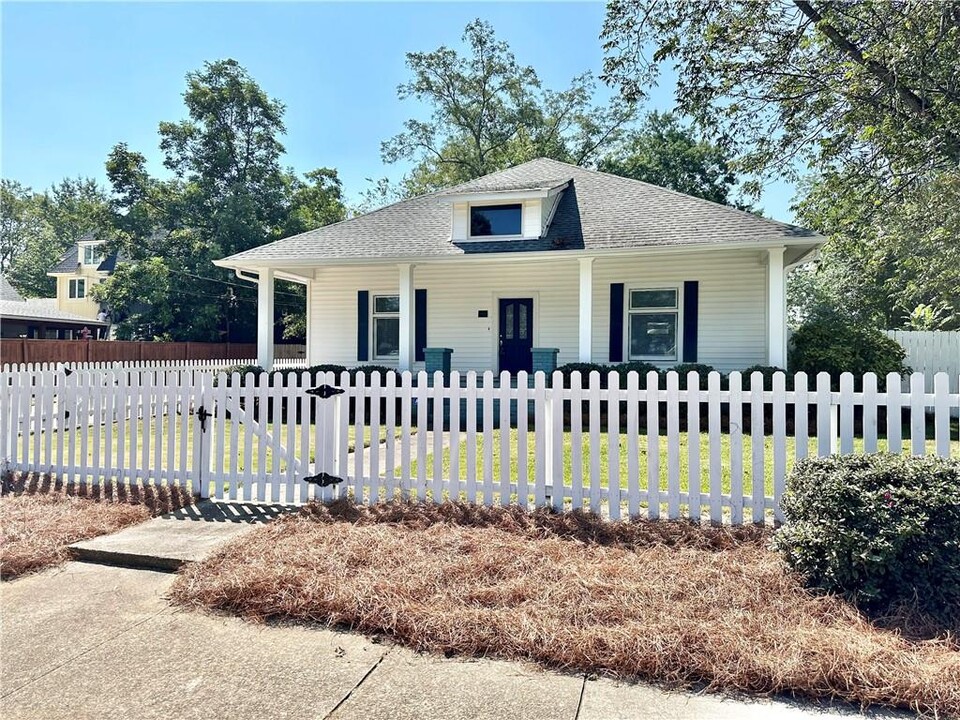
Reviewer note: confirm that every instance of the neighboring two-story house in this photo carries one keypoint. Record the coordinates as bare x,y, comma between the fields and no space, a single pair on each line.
82,266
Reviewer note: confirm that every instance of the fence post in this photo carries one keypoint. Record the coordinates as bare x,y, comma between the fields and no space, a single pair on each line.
201,437
548,441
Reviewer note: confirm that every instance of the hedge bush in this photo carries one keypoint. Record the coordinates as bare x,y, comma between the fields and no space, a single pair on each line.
768,371
836,346
879,529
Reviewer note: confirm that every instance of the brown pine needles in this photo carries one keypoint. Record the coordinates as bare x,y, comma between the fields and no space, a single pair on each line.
669,602
40,516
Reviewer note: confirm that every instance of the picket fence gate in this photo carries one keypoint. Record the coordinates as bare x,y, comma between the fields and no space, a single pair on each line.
627,446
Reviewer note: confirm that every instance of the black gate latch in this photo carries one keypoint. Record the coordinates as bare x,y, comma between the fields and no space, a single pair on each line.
325,391
323,479
202,415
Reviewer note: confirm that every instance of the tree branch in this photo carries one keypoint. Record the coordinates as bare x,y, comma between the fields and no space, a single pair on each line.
914,102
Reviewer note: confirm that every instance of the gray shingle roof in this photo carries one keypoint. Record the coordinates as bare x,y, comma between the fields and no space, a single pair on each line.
598,211
68,263
42,309
8,292
497,183
71,258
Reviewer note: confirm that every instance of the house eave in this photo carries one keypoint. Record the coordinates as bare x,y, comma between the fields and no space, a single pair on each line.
253,264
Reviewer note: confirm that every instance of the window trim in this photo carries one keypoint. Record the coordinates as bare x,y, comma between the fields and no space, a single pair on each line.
76,283
676,310
374,316
494,238
96,247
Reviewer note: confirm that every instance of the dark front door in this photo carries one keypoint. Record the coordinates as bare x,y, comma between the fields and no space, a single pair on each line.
516,334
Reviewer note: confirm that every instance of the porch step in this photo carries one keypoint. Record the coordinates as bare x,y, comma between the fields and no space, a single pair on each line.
169,541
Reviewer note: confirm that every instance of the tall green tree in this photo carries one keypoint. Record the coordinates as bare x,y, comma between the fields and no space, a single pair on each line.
38,227
21,220
860,98
488,112
663,152
228,193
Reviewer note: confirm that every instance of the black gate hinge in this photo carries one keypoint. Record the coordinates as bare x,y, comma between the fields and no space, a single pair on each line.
323,479
325,391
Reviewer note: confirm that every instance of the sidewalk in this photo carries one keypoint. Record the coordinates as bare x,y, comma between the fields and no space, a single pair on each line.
93,641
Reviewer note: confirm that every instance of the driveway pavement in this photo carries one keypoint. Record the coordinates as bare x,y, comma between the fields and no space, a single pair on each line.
95,641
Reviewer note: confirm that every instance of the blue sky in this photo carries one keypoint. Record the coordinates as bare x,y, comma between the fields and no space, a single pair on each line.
78,78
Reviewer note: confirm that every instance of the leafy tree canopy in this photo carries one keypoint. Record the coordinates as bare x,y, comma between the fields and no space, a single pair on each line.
664,152
36,228
863,95
228,193
488,112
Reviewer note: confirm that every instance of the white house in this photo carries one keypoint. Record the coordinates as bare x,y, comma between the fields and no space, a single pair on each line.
543,255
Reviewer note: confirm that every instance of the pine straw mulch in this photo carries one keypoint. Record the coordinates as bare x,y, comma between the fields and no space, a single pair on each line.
671,602
40,516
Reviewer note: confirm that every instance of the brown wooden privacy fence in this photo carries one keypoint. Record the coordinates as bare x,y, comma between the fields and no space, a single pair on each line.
657,449
15,351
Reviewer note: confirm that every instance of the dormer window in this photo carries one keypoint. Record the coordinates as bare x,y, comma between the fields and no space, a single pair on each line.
517,212
496,220
92,254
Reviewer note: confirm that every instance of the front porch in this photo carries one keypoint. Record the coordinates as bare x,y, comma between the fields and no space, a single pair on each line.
728,308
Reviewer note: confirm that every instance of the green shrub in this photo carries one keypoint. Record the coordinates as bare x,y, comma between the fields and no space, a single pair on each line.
835,346
242,369
683,368
637,366
768,371
368,371
879,529
584,369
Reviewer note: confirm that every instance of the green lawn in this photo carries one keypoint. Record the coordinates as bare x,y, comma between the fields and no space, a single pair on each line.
183,440
642,459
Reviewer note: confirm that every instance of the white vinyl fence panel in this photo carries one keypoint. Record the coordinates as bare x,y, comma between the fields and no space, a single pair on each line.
931,352
673,447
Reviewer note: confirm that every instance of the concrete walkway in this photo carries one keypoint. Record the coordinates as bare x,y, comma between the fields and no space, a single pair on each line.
94,641
187,535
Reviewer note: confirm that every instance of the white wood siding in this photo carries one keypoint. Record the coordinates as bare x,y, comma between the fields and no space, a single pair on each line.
732,327
532,212
732,316
461,221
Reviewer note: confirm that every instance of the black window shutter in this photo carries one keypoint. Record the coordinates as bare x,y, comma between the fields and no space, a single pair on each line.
691,300
363,324
419,324
616,322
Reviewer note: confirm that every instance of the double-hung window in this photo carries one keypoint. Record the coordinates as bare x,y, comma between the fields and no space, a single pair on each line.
78,288
92,255
386,326
653,327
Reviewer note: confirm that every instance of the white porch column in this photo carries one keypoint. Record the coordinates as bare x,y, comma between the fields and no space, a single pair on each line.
776,309
586,309
310,355
405,361
265,319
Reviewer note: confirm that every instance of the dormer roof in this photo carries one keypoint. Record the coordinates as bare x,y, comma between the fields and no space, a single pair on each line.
516,190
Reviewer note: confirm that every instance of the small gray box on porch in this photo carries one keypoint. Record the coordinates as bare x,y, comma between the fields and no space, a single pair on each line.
545,359
437,359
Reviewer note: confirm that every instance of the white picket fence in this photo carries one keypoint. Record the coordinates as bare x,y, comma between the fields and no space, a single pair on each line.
152,365
637,449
